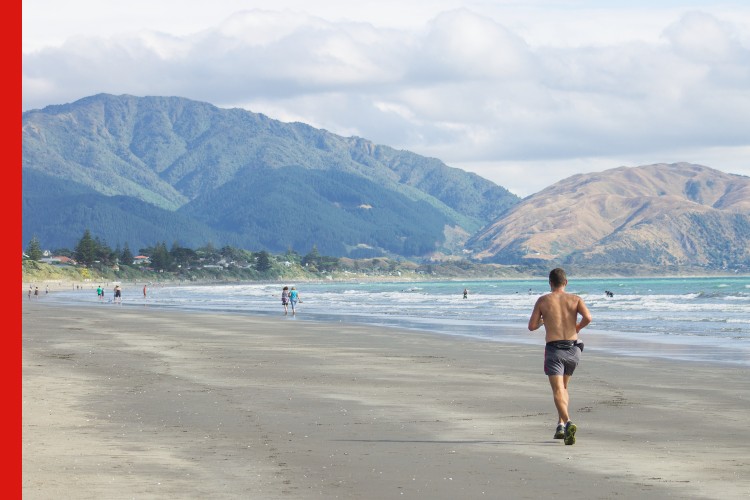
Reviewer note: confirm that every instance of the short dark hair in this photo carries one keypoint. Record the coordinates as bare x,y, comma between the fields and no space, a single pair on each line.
557,277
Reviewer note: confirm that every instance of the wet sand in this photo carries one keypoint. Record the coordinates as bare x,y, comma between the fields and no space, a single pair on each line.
133,402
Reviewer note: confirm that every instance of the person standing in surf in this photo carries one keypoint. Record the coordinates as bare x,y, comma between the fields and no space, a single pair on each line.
558,311
293,298
285,299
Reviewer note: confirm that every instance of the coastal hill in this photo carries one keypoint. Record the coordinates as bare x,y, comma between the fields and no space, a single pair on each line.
659,215
132,169
138,171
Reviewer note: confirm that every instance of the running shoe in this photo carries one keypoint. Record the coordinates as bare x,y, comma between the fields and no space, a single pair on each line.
560,431
570,433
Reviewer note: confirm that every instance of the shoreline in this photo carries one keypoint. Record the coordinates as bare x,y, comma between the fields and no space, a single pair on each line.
62,284
131,402
651,345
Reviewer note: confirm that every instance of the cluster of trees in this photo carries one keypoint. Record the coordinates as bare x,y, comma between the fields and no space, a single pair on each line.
34,250
88,251
91,251
231,262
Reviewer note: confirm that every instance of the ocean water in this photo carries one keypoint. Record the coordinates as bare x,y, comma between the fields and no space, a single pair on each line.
693,319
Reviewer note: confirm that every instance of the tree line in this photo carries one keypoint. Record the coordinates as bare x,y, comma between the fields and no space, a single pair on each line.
91,251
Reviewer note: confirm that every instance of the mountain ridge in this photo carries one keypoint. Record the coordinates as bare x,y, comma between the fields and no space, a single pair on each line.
171,151
665,214
191,172
179,139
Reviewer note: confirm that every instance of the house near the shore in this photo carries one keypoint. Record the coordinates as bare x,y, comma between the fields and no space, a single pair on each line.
141,259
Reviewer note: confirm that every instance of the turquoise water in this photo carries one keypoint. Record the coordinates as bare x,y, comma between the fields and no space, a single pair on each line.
706,319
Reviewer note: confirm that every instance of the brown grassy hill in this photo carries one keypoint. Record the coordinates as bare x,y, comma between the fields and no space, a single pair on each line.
678,214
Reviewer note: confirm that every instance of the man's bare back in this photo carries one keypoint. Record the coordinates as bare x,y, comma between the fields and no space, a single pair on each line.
558,311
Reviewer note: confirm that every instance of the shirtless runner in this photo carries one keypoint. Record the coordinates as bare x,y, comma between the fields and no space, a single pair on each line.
558,311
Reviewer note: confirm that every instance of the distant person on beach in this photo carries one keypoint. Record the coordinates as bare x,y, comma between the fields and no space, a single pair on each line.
285,299
466,293
36,292
293,298
100,292
144,291
118,294
29,293
558,311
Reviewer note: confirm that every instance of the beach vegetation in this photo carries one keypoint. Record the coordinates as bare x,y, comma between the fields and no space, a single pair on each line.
160,257
86,250
231,264
207,263
126,255
34,250
263,262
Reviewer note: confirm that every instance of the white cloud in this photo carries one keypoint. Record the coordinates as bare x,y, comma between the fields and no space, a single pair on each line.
499,88
463,46
701,37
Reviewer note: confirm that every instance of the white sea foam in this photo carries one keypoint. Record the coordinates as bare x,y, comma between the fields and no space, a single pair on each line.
642,308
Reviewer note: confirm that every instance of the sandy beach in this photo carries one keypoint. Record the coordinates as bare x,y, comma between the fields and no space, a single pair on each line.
135,402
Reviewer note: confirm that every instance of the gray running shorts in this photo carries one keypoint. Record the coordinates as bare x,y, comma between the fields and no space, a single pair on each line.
561,357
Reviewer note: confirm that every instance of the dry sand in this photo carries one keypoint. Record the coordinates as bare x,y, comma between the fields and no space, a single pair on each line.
133,402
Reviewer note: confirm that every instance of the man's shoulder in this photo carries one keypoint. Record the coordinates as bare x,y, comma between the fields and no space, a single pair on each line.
572,298
558,298
543,298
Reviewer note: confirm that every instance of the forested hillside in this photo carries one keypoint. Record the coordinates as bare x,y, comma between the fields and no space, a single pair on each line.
229,174
59,211
300,207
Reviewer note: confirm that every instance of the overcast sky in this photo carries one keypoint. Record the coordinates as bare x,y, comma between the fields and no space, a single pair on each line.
522,92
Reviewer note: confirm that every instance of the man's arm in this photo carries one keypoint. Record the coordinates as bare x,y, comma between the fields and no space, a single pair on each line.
536,320
585,315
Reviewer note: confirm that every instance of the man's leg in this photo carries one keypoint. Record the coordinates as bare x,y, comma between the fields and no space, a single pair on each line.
559,384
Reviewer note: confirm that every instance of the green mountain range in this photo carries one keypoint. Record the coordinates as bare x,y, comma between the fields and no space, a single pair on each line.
140,170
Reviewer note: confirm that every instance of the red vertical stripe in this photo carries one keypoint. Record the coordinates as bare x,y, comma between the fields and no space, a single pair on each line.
11,244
